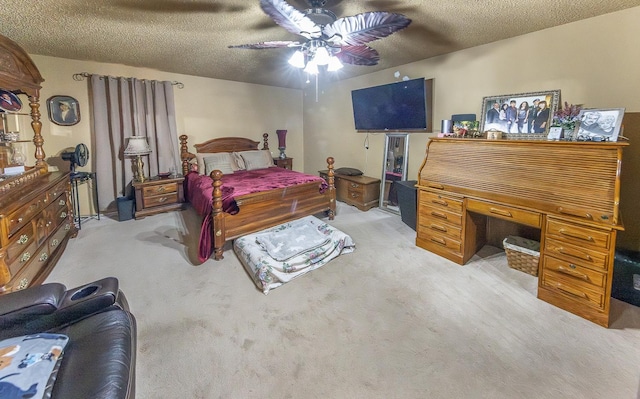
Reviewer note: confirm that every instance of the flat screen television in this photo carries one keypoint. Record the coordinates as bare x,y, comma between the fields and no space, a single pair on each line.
400,106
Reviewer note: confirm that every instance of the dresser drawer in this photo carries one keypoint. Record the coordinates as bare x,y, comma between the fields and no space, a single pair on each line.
58,237
569,288
20,242
157,189
580,255
28,272
505,212
438,201
22,215
439,214
57,190
439,227
157,200
579,235
576,273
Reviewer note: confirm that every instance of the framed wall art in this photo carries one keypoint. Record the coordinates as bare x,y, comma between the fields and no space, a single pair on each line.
524,115
599,124
63,110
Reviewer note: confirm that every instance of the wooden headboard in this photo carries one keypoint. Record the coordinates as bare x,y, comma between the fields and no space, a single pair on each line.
222,144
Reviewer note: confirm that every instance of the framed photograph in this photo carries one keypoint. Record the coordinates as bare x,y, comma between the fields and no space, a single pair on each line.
63,110
523,114
9,102
555,133
599,124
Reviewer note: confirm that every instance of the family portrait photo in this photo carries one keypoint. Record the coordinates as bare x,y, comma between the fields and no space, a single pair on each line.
63,110
519,113
9,101
599,124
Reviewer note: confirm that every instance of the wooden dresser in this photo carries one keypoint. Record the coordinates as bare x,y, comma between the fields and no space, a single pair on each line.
157,195
36,219
566,191
363,192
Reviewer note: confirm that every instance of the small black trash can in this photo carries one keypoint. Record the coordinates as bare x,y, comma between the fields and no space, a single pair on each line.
407,201
626,277
126,208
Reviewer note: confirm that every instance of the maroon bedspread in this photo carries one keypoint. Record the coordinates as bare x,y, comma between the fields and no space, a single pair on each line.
199,192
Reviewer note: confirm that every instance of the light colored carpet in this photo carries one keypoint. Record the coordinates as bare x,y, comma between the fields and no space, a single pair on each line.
390,320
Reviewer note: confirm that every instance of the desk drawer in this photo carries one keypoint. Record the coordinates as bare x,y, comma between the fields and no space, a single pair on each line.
566,287
579,235
438,227
439,201
505,212
580,255
441,240
579,275
428,213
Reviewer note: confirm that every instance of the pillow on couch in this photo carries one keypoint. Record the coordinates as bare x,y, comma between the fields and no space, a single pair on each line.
254,159
29,364
208,162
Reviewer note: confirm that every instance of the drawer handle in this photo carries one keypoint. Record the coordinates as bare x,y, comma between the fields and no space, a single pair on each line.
23,239
501,212
355,195
67,227
438,227
440,202
55,242
162,199
573,273
62,202
575,235
25,257
24,283
571,291
438,186
160,189
577,214
20,220
43,257
579,256
438,215
354,185
439,241
63,215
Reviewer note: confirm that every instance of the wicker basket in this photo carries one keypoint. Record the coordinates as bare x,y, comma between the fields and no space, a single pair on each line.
522,254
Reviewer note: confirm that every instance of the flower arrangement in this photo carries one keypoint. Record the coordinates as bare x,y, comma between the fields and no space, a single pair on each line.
567,116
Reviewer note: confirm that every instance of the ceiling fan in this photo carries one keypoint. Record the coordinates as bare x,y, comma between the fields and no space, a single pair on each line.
330,40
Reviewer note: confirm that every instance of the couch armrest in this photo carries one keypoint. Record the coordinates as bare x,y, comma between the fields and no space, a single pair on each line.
34,302
88,299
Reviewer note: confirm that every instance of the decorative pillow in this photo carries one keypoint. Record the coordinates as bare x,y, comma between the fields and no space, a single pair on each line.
29,364
219,158
222,163
256,159
348,171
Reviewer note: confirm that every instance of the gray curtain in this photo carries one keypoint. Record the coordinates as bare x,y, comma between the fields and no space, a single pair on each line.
125,107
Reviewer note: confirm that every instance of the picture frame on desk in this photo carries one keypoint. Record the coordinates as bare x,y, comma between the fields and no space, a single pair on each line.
599,124
498,114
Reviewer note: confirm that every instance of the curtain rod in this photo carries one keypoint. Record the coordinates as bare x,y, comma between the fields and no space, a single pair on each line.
80,76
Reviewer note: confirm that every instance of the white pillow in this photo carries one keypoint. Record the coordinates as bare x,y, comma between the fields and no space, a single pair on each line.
224,160
256,159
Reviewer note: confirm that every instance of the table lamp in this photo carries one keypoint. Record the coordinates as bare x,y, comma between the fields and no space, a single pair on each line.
137,147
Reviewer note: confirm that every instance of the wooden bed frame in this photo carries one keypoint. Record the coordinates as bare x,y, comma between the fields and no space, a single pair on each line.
258,210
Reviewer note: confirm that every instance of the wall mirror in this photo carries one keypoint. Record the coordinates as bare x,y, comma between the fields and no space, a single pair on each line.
396,152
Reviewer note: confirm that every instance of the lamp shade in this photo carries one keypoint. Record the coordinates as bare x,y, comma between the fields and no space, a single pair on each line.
137,146
282,138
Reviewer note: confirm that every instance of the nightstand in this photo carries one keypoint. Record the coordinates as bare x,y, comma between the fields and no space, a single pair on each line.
158,195
362,192
286,163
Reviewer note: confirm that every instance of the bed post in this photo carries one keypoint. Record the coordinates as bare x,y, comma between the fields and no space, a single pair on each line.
185,155
332,188
265,141
217,216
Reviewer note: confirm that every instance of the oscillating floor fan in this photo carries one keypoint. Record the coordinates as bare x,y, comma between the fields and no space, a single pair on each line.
78,157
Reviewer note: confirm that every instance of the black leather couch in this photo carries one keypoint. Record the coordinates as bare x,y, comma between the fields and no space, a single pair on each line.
99,359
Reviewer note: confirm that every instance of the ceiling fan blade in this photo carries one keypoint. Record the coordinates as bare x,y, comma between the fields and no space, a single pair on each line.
358,55
264,45
291,19
364,28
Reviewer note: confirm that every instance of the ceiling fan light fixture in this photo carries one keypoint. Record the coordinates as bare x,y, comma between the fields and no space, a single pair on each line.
311,68
322,56
297,59
334,64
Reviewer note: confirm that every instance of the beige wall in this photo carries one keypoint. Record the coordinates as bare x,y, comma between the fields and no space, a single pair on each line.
205,108
593,62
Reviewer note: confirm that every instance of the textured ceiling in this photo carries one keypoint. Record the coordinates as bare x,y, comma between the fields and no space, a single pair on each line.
191,36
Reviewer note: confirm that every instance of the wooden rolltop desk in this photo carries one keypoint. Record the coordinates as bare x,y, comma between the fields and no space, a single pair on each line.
35,210
568,190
